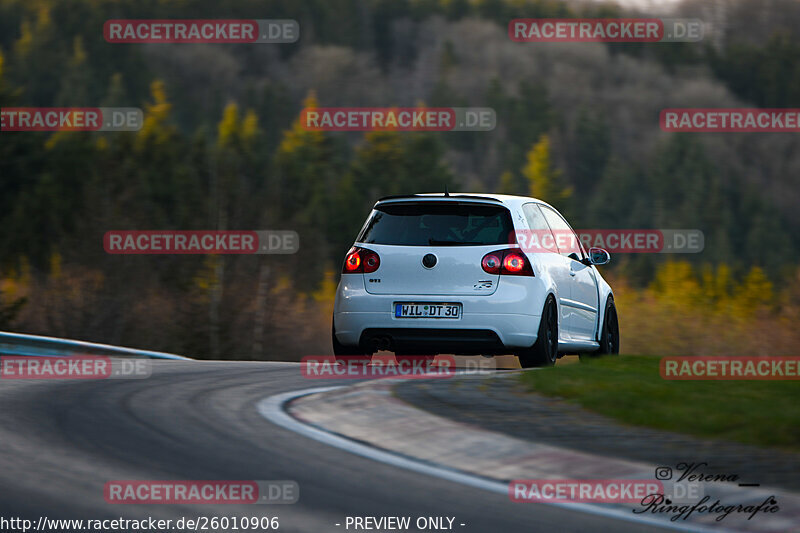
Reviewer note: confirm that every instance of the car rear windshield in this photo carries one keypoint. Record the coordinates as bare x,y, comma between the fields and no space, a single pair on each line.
438,224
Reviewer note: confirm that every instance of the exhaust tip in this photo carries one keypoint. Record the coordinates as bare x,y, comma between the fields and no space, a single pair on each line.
382,343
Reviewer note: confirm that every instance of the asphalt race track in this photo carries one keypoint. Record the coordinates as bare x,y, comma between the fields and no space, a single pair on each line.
62,440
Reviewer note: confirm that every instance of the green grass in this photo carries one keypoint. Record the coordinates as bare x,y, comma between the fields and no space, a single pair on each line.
631,390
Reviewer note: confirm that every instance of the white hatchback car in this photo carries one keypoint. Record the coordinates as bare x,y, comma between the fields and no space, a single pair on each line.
444,273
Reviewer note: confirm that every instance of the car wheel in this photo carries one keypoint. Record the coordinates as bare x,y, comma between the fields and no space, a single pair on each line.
345,353
544,351
609,334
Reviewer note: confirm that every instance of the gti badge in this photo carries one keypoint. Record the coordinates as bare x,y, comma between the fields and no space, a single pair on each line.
483,285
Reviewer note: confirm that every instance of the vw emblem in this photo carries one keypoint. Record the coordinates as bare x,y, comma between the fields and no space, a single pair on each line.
429,261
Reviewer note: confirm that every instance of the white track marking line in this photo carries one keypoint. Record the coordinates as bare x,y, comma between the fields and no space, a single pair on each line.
272,408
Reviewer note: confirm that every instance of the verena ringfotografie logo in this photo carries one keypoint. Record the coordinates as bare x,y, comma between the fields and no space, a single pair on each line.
725,368
626,241
202,31
730,120
583,490
71,119
404,367
398,119
680,505
73,367
202,242
201,492
605,30
661,505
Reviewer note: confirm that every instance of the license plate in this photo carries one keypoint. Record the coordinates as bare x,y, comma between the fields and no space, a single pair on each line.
427,310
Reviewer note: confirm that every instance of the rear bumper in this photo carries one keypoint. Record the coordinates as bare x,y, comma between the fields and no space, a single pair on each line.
430,341
490,324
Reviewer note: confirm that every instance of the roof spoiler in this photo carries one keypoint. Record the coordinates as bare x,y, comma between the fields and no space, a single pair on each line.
430,197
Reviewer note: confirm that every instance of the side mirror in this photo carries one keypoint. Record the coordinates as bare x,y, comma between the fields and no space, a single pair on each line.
598,256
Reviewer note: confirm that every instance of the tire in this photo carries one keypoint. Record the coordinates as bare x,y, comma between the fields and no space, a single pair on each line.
345,353
544,351
609,334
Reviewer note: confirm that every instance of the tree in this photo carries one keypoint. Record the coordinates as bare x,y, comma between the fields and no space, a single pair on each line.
391,163
522,119
509,184
591,151
9,311
618,200
76,83
309,168
754,293
544,180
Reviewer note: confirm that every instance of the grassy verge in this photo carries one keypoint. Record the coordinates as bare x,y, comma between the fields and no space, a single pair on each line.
631,390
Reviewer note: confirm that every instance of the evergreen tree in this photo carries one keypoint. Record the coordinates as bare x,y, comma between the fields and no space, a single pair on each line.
544,180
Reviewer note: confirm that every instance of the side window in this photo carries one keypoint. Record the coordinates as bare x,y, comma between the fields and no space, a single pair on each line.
566,240
539,238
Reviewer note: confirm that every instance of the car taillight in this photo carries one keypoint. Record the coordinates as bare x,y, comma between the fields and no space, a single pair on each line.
509,262
352,263
371,261
514,263
361,261
491,262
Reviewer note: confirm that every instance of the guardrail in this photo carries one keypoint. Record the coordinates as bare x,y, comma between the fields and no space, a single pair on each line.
38,346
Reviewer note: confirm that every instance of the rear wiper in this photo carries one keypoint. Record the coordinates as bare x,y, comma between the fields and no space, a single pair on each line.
434,242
